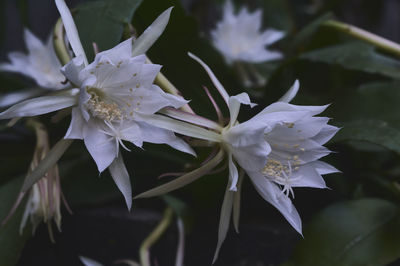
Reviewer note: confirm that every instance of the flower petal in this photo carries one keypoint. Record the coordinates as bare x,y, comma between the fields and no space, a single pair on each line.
270,36
151,34
234,105
41,105
118,53
326,133
151,100
236,202
70,29
103,148
213,78
271,193
14,97
75,130
191,118
179,127
233,173
308,176
157,135
224,220
121,178
73,69
291,93
89,262
324,168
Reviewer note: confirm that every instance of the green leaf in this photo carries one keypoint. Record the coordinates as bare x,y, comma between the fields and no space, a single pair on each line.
372,131
11,242
356,56
103,22
305,34
369,114
361,232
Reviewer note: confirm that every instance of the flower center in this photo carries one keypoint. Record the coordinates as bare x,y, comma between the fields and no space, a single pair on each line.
282,174
108,111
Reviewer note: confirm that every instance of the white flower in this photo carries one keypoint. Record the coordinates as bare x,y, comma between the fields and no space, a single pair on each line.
239,37
279,149
116,90
111,98
40,63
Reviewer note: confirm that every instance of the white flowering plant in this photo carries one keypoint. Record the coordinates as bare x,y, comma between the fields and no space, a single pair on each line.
268,114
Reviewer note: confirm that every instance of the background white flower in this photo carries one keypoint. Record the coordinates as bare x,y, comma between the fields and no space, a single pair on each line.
239,37
40,63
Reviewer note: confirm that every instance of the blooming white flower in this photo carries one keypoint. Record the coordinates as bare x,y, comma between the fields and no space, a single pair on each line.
111,99
40,63
239,37
115,91
279,149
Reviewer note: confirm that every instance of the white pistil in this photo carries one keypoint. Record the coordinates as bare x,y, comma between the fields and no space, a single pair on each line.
115,134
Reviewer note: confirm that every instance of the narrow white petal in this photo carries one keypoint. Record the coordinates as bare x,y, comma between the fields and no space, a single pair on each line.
236,202
291,93
234,105
181,127
72,70
14,97
70,29
32,42
121,178
271,193
310,178
185,179
116,54
233,173
101,147
39,106
151,34
89,262
191,118
270,36
213,78
75,130
224,219
152,134
323,168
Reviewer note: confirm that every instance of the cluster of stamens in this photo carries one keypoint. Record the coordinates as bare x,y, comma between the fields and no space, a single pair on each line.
103,110
281,174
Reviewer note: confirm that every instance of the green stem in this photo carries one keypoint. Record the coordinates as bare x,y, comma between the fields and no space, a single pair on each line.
366,36
59,43
153,237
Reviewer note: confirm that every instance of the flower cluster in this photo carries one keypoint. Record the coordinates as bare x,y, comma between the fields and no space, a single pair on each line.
114,101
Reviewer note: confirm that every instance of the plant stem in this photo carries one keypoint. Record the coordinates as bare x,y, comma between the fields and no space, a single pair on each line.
153,237
366,36
59,43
